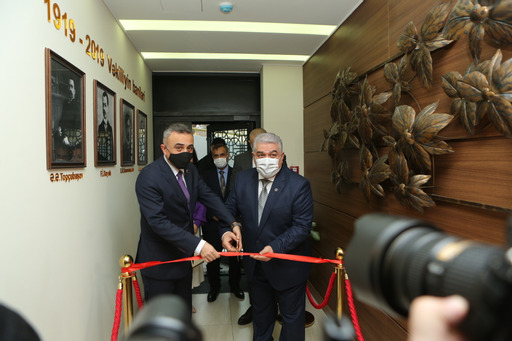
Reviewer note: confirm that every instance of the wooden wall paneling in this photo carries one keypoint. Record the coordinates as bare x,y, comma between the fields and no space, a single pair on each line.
464,221
362,39
350,201
477,171
335,229
316,118
480,170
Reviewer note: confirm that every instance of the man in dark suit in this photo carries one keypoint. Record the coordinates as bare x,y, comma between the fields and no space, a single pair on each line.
167,191
244,161
105,134
280,224
218,179
207,161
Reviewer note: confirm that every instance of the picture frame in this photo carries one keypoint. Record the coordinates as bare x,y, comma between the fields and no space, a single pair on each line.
127,114
104,125
65,113
142,138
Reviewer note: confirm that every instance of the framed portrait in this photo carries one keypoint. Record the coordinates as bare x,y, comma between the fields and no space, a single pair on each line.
142,138
127,134
65,113
105,125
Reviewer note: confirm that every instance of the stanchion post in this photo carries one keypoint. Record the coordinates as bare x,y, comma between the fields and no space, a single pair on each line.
126,278
341,282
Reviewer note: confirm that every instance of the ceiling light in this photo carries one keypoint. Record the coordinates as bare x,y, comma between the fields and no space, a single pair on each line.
221,56
226,26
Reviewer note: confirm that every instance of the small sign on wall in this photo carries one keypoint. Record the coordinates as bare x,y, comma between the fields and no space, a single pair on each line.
295,169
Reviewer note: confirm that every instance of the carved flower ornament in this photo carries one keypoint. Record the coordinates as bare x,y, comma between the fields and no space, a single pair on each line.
478,18
419,44
491,90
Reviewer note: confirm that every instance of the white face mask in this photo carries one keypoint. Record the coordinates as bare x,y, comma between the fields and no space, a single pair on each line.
220,163
267,167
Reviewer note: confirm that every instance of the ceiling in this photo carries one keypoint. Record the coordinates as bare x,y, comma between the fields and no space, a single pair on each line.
313,12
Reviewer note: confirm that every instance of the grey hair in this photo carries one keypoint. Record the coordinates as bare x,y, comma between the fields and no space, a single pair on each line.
269,138
176,128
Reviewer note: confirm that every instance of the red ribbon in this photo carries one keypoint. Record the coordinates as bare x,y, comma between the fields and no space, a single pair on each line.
297,258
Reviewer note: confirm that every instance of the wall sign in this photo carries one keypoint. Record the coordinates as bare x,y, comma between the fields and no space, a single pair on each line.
62,21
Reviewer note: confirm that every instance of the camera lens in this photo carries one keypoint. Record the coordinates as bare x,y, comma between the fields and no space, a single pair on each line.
391,260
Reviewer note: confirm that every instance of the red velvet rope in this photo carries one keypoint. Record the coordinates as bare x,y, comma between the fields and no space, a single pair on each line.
352,308
327,294
135,267
136,286
117,317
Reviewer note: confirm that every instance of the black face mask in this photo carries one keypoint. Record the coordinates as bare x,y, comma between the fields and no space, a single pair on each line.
180,160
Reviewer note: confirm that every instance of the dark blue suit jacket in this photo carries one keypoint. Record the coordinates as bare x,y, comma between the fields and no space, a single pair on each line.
211,178
166,224
285,223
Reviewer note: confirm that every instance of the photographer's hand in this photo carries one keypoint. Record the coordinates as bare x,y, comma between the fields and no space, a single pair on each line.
436,318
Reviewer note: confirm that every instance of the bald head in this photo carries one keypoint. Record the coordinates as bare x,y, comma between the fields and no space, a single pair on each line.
254,133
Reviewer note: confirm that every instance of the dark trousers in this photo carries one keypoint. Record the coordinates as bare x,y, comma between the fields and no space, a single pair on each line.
180,287
211,234
292,306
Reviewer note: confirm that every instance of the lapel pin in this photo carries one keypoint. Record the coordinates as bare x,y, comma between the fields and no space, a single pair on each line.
275,189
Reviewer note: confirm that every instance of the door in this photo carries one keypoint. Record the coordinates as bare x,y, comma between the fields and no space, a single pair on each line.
236,135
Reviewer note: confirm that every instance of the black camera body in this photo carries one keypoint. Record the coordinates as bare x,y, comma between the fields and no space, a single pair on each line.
391,260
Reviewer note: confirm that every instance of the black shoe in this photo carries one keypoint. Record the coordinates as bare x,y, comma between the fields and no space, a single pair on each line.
238,293
246,318
212,295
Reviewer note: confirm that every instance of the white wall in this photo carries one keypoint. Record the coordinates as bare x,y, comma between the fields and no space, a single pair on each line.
282,109
60,243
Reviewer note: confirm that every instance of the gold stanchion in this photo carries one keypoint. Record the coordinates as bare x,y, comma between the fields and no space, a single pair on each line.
341,282
126,282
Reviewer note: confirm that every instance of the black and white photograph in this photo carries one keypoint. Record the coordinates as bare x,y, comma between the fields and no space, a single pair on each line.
127,134
104,121
142,138
65,113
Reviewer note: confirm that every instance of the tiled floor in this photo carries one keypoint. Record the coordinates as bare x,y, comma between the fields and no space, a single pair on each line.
218,320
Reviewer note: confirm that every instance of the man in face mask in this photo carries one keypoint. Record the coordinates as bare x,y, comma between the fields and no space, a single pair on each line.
218,180
276,209
168,190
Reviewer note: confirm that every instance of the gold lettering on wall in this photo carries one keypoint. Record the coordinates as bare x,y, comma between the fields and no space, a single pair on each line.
60,177
93,49
105,173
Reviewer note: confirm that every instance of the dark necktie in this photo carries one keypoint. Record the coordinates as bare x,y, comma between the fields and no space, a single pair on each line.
183,187
222,183
262,198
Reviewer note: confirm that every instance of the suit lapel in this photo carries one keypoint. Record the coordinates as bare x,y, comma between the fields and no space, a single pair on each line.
175,187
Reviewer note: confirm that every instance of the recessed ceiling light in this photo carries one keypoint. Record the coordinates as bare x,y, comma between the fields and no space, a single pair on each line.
221,56
226,26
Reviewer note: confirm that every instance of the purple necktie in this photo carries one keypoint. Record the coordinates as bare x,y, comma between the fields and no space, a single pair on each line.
183,187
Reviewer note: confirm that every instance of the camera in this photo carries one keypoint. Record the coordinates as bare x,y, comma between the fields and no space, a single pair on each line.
391,260
164,318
